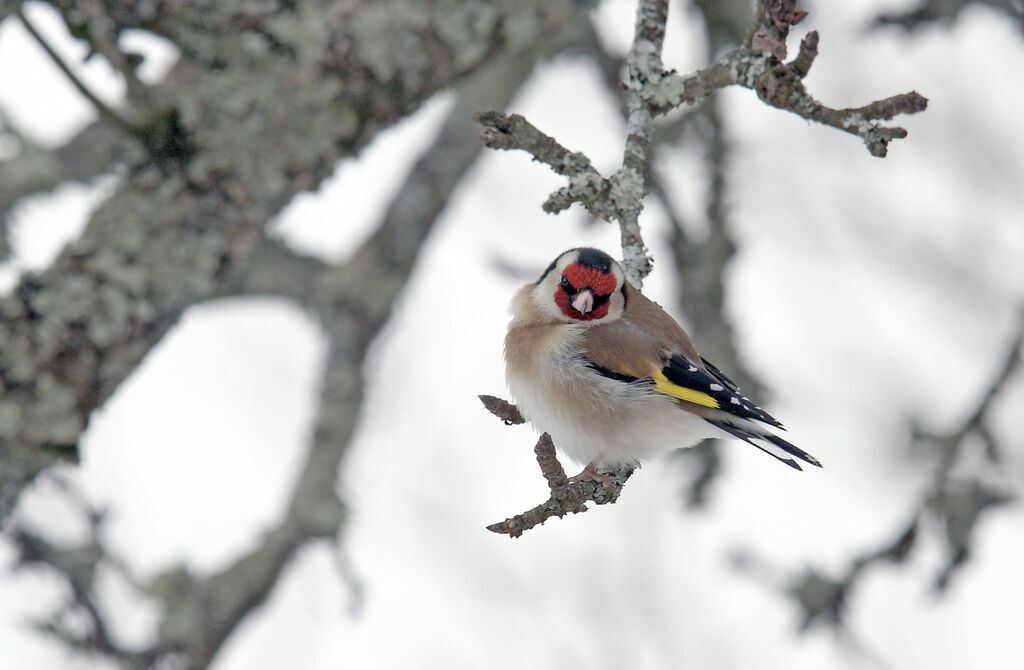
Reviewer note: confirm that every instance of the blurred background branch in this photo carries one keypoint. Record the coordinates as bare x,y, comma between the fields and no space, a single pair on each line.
945,12
962,490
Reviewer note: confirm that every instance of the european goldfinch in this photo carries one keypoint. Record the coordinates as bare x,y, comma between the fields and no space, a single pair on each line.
613,378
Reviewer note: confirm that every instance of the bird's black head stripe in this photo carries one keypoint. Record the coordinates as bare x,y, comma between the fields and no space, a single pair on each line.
594,258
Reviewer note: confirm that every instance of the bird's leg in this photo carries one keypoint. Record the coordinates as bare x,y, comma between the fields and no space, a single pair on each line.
591,474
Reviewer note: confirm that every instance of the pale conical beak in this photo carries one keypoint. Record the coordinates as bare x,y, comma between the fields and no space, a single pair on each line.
584,301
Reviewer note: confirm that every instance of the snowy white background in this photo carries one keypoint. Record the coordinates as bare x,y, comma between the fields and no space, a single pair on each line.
865,290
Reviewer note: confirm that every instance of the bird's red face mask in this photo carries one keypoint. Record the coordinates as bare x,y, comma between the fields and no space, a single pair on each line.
583,292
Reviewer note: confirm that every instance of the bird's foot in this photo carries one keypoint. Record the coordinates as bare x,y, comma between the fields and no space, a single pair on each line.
590,474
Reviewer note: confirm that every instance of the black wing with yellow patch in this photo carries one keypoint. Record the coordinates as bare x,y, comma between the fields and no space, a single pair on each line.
682,379
719,375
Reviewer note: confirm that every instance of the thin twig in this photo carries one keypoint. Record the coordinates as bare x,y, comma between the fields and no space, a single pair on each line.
104,110
586,185
779,85
629,183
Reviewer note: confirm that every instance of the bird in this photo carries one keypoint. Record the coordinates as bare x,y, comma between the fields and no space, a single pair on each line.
613,378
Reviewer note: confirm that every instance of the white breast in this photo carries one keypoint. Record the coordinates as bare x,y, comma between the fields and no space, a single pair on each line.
593,418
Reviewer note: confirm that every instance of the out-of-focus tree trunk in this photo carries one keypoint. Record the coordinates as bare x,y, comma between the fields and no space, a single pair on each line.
263,104
266,100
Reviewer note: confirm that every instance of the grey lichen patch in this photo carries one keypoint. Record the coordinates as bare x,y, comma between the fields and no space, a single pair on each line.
10,418
644,60
53,417
243,140
747,68
666,93
56,312
19,364
636,257
254,43
75,302
587,188
465,29
120,270
521,29
202,254
113,317
383,35
627,190
857,123
586,185
307,28
576,164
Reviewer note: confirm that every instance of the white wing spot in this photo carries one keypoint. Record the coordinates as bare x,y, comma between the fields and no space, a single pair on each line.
717,387
693,368
734,400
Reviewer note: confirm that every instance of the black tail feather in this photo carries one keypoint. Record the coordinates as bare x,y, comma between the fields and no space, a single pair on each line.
749,436
792,449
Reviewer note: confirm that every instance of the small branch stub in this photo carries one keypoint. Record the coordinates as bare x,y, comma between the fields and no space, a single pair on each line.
547,459
502,409
771,26
801,65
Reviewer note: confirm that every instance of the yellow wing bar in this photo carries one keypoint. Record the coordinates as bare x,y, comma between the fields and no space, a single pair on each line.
662,383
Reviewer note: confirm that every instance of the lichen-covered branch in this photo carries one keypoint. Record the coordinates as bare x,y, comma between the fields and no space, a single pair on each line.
567,496
780,85
760,68
629,183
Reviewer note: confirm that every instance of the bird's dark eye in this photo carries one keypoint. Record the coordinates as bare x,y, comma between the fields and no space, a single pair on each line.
567,285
